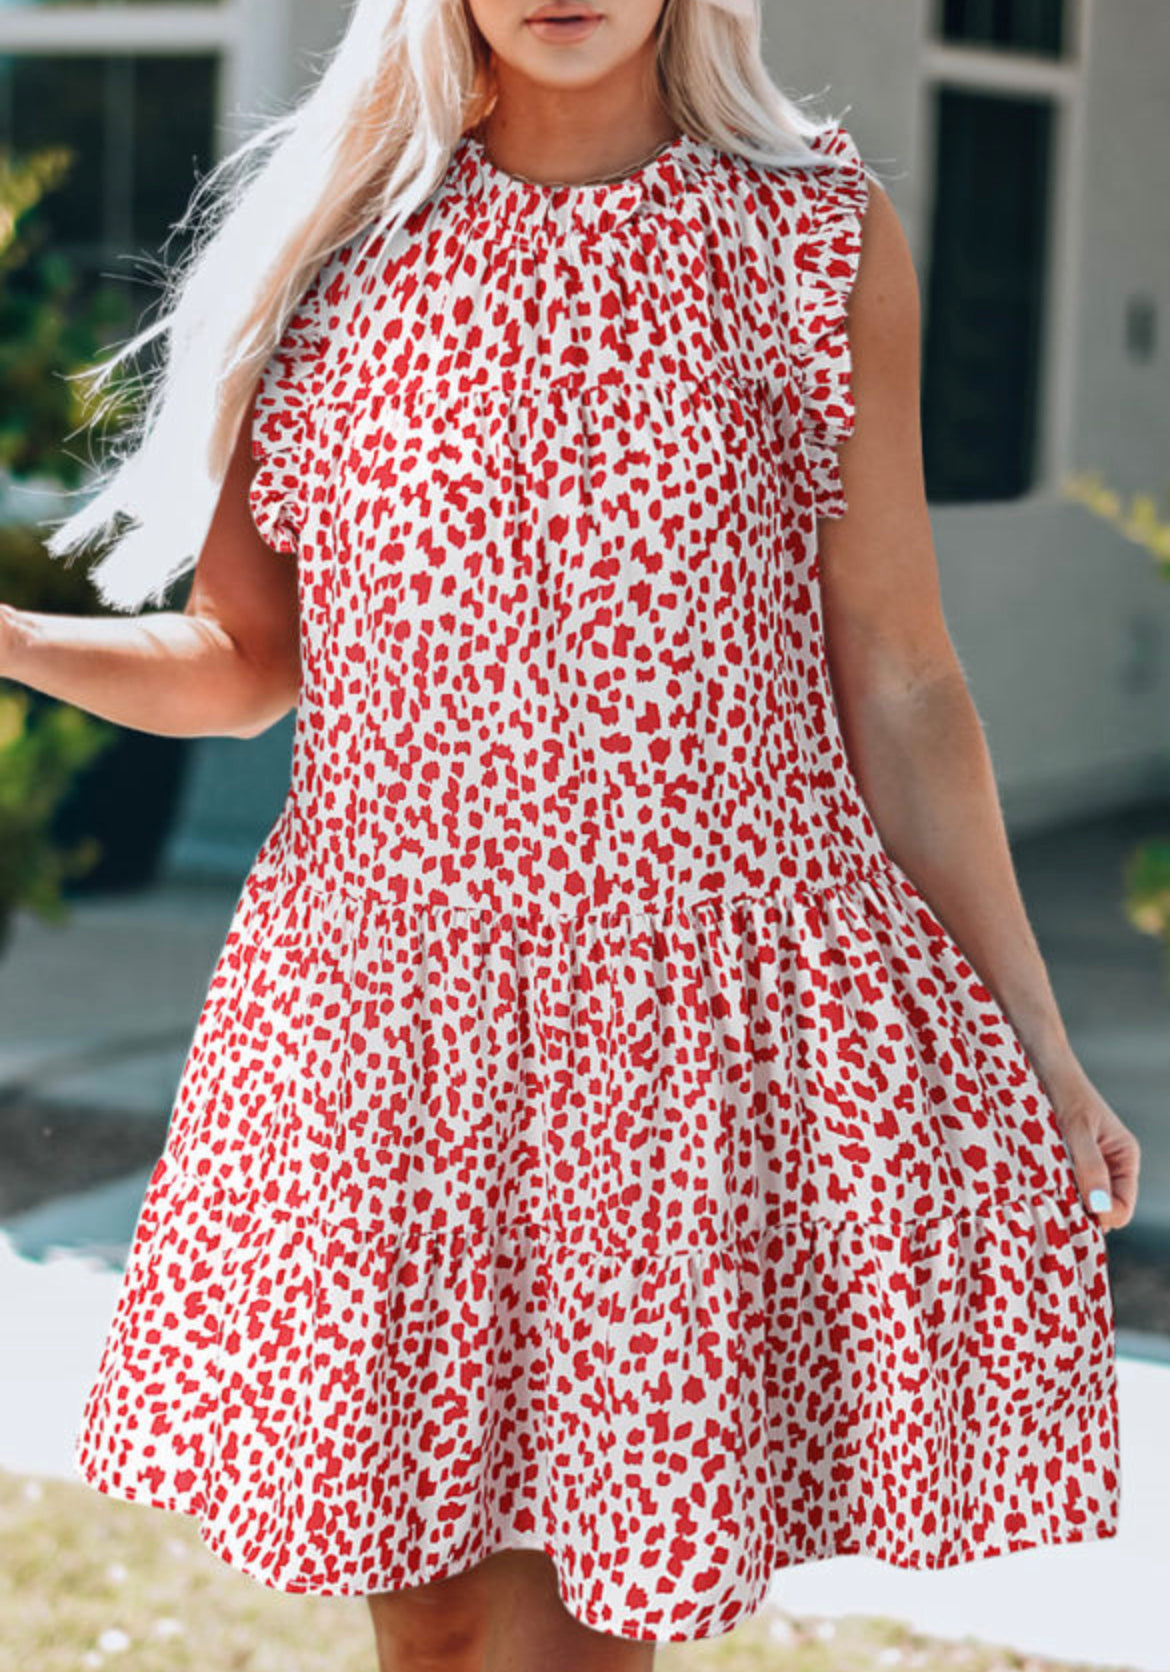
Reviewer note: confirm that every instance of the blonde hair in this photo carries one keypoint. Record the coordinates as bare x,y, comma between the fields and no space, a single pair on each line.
364,147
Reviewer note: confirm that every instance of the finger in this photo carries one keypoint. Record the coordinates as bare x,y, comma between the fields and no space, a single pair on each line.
1123,1161
1093,1178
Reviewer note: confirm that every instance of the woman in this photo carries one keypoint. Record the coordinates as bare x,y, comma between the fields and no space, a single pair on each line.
599,1177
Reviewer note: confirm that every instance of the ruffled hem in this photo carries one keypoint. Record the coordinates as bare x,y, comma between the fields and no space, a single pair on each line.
724,1254
354,1412
273,496
827,258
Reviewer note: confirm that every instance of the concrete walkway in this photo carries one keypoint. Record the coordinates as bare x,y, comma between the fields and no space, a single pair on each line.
1112,984
100,1010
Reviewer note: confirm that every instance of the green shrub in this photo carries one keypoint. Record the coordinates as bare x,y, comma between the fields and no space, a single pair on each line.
41,748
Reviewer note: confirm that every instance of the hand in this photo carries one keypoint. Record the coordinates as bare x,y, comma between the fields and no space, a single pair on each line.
1105,1154
8,639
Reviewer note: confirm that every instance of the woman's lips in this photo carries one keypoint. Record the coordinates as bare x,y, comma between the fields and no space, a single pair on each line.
577,28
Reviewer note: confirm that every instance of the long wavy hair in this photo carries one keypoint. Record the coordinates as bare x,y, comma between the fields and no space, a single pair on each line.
365,146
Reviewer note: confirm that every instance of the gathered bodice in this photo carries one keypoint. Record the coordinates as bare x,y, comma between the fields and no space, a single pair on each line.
552,458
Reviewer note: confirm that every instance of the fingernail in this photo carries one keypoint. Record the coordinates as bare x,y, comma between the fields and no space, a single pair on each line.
1099,1201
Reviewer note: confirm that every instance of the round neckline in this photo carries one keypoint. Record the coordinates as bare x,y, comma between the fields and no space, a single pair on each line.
501,177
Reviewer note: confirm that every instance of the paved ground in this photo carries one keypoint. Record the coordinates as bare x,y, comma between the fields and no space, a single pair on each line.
1112,983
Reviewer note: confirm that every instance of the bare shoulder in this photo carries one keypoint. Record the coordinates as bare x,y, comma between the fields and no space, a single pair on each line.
884,307
878,564
883,457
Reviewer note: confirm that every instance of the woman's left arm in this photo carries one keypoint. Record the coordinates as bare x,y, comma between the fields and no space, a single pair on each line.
911,730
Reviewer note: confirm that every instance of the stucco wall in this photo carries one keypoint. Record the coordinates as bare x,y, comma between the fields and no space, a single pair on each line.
1063,626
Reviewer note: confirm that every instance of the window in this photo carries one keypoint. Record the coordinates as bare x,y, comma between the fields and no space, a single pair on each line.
140,127
1025,25
136,104
985,300
995,138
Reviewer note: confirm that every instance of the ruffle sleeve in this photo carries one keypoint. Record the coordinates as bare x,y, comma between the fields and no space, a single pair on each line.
288,393
827,256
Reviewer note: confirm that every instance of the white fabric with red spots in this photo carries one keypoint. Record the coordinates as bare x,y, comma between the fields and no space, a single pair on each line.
592,1140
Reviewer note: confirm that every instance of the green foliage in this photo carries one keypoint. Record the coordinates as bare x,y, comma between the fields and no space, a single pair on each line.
48,331
32,580
41,748
43,335
1147,888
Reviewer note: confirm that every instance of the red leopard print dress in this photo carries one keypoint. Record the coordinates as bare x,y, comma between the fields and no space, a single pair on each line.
591,1140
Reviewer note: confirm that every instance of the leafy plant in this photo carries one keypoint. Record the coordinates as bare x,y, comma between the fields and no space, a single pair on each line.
40,751
1146,898
48,329
43,744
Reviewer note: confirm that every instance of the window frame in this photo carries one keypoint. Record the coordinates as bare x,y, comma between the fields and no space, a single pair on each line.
1004,72
1068,21
253,43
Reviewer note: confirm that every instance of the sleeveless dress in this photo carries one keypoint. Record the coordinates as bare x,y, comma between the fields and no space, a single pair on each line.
591,1139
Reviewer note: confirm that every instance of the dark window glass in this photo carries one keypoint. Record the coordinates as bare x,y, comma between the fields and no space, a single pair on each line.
176,99
1025,25
141,130
985,296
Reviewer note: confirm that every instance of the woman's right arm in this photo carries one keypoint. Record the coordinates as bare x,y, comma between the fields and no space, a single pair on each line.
228,665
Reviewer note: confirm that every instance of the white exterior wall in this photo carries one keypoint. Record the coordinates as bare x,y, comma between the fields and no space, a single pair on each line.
1062,625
